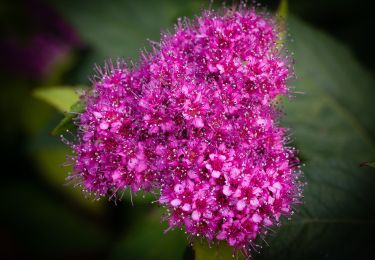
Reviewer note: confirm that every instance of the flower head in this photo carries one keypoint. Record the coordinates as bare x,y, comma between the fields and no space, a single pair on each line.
197,121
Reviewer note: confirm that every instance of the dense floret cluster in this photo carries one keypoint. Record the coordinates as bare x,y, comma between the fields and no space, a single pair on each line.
197,121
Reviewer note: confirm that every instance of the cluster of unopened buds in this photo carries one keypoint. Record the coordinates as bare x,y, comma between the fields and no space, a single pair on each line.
197,121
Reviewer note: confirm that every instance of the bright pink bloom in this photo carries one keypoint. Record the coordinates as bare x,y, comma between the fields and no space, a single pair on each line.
197,121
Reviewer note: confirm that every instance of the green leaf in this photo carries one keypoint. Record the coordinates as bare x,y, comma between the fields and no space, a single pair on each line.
333,128
61,98
217,251
333,118
66,100
67,122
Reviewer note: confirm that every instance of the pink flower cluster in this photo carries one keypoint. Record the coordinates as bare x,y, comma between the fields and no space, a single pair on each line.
197,121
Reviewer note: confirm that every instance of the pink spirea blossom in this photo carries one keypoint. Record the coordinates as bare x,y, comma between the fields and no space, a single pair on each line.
197,121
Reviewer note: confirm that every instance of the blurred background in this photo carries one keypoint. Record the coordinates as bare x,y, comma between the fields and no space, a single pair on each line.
48,43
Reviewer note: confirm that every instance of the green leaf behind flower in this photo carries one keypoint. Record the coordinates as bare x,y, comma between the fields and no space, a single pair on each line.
67,122
66,100
61,98
333,128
